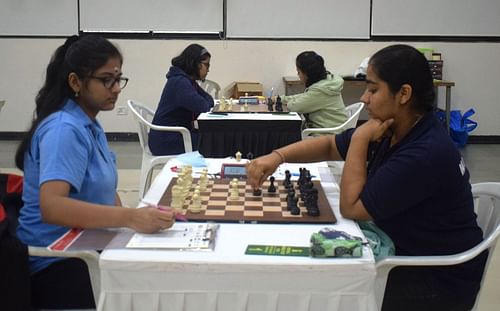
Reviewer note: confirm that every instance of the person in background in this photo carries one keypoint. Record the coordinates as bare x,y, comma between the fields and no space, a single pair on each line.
182,100
70,175
402,171
321,103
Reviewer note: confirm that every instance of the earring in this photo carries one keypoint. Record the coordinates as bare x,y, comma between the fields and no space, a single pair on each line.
76,94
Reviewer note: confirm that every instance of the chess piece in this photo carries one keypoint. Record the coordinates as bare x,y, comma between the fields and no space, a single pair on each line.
250,156
279,105
270,104
235,193
238,156
177,198
257,192
288,176
272,187
195,206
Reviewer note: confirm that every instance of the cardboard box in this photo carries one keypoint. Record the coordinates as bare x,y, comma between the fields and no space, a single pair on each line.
247,89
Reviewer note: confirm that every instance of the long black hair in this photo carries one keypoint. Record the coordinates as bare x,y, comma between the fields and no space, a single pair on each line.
312,65
189,60
403,64
81,55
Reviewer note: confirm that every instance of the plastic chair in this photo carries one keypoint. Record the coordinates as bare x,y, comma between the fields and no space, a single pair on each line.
352,112
487,208
143,115
211,87
90,257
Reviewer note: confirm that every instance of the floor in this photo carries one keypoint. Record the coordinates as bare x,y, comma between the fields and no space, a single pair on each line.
481,161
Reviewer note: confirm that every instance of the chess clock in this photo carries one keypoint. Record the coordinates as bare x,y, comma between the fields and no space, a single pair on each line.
250,100
233,170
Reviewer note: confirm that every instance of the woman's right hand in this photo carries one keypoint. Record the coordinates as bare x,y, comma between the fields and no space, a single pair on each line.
150,219
259,169
373,129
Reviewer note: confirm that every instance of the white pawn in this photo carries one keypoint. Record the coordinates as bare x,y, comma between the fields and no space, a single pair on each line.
196,203
238,156
235,193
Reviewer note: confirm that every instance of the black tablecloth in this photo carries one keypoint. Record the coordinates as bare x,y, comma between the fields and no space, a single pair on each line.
223,138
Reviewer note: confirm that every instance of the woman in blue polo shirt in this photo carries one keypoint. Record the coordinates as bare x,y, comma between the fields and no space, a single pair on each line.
70,175
402,171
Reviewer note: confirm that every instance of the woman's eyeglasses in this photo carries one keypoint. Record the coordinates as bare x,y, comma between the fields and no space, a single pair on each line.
109,82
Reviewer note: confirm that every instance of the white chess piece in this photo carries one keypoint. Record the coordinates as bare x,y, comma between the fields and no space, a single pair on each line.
235,192
238,156
196,203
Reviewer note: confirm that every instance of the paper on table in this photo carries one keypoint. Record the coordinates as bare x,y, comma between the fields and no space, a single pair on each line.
189,236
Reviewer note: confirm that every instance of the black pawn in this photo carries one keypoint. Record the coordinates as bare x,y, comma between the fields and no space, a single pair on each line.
272,187
257,192
250,156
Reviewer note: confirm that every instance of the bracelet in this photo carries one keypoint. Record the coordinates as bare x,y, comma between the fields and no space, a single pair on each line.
280,155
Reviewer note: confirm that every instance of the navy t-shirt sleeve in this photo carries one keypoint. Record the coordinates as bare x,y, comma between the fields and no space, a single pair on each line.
342,141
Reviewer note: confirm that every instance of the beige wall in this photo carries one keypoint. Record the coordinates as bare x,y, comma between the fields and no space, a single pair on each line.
473,66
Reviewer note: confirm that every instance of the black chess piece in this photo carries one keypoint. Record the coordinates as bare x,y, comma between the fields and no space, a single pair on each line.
250,156
270,104
257,192
286,181
279,104
272,187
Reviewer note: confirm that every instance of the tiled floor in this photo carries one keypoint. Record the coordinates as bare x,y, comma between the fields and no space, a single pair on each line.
480,159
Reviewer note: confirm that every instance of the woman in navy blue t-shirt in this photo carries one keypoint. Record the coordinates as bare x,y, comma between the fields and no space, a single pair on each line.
182,100
402,171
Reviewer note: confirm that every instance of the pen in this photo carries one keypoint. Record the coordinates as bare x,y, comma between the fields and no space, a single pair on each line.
271,92
162,208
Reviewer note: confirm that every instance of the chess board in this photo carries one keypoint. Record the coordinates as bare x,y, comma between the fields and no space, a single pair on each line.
252,108
266,208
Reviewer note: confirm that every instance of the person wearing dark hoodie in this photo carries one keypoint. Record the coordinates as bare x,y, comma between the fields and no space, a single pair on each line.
321,103
182,100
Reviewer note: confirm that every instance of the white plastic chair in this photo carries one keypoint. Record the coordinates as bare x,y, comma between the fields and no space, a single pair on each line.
90,257
352,112
487,207
143,115
211,87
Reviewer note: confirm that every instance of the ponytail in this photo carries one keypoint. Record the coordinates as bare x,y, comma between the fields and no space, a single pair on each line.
82,56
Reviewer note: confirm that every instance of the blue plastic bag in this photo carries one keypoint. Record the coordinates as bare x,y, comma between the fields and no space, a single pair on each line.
460,126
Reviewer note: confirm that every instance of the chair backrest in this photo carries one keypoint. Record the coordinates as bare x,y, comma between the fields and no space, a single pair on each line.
211,87
144,117
487,207
353,111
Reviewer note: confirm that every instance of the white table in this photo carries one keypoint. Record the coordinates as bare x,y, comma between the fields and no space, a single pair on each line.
227,279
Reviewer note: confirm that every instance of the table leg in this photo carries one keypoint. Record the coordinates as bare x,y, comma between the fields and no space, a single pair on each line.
448,107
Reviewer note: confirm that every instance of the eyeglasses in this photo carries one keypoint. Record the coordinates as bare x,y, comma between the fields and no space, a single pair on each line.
207,65
109,82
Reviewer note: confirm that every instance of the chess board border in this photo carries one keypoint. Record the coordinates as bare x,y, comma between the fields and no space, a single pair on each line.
327,215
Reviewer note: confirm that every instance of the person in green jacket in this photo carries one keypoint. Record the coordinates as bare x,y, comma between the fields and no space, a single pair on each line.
321,103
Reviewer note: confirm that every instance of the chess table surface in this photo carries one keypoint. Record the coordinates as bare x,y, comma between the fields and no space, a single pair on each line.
216,204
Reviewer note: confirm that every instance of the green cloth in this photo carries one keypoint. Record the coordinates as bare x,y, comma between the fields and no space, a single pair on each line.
380,243
321,103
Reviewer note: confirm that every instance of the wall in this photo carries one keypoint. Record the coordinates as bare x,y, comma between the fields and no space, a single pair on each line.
473,66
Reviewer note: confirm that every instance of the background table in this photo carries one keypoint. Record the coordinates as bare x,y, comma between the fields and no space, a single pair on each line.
222,135
227,279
